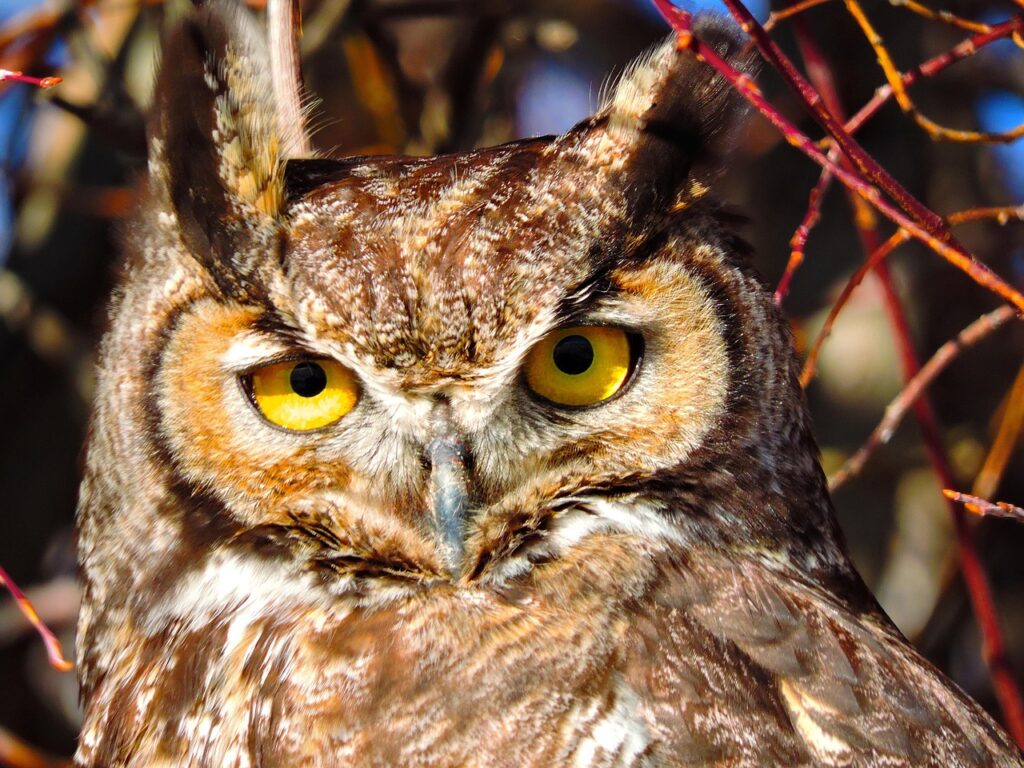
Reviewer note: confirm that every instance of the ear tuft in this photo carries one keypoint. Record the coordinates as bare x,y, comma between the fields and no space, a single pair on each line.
681,104
216,148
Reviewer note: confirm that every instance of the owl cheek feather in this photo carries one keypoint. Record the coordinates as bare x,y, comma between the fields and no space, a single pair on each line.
216,146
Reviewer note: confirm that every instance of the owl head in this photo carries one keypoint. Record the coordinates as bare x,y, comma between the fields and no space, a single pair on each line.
390,374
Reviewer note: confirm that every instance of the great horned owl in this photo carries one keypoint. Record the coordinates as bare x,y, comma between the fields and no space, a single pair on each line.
490,459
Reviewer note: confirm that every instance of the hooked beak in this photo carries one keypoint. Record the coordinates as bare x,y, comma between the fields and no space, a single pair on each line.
449,493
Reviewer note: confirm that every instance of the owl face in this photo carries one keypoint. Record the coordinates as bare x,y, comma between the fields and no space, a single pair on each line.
433,370
545,359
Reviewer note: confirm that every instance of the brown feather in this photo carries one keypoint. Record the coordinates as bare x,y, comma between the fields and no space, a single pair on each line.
655,580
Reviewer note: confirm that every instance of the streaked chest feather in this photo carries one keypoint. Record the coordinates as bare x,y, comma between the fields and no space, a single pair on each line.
237,670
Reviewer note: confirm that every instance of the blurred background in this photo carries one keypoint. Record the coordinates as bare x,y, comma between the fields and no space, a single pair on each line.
423,76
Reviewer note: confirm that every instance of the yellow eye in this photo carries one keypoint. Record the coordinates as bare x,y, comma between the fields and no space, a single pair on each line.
304,394
579,366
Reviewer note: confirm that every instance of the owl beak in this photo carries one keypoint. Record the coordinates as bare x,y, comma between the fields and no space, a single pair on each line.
449,493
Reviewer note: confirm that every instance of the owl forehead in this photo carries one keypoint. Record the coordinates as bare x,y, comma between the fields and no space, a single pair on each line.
449,264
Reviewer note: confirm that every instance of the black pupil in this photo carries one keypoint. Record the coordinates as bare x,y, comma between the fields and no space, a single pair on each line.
308,379
573,355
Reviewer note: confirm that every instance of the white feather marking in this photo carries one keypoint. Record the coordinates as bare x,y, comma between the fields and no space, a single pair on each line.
245,588
591,517
620,732
249,351
804,711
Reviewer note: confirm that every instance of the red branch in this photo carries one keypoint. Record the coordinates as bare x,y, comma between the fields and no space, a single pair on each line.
934,231
978,589
929,68
682,22
18,77
999,214
798,242
53,650
867,165
869,264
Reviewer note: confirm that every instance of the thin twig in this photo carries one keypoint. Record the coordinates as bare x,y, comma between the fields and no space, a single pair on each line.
915,387
798,242
1010,426
946,17
53,650
895,80
932,229
1000,214
812,101
936,64
876,258
777,16
985,508
943,244
927,69
18,77
56,603
1004,681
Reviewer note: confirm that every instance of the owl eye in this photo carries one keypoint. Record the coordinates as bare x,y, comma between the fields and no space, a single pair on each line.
303,394
578,366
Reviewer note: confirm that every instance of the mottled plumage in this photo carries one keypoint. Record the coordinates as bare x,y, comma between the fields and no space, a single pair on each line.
656,579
